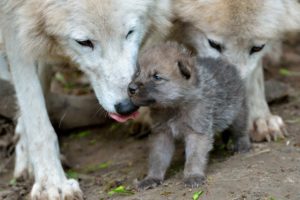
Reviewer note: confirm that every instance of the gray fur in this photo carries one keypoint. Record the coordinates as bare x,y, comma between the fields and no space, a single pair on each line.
193,108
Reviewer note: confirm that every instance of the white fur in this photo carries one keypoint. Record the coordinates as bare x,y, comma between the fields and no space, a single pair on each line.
23,166
37,34
4,69
238,25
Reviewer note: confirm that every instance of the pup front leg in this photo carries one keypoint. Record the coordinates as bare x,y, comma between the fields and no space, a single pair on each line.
197,147
239,130
161,152
263,125
43,151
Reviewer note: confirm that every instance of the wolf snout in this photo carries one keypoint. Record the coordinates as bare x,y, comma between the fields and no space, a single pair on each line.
126,107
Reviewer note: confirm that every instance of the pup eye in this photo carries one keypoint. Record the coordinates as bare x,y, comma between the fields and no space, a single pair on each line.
215,45
86,43
129,33
156,77
256,49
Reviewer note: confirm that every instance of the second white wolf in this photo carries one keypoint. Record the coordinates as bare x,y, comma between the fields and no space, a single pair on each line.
242,32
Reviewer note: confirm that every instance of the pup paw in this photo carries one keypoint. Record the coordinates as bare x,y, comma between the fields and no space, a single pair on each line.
269,128
194,181
66,190
149,183
242,145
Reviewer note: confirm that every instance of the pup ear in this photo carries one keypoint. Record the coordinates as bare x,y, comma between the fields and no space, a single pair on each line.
184,70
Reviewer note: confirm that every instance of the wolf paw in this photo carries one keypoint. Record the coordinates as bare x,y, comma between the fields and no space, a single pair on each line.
67,190
194,181
269,128
149,183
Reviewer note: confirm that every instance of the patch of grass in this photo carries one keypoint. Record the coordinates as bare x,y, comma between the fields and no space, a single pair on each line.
13,182
272,198
61,79
72,174
121,190
93,168
92,142
115,126
81,134
285,72
197,195
103,165
280,140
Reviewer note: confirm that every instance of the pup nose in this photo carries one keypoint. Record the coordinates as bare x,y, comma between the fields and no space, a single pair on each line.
126,107
132,88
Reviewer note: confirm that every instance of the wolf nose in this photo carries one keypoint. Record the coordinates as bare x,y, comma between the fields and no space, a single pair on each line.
126,107
132,88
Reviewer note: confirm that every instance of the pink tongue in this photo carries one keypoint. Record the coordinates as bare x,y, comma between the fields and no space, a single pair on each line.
121,118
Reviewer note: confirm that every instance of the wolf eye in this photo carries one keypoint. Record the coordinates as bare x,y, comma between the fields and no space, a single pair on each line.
86,43
256,49
156,77
129,33
215,45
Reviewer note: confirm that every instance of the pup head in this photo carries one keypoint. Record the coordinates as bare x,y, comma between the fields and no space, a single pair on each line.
166,73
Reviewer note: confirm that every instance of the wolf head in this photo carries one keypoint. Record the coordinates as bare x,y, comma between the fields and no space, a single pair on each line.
102,36
166,75
240,31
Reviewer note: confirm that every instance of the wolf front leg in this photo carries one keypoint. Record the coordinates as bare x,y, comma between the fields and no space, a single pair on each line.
23,168
197,147
43,151
161,152
263,125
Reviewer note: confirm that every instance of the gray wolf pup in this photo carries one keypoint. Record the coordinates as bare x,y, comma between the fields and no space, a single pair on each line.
190,98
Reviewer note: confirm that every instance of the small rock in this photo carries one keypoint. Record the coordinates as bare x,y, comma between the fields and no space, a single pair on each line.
276,91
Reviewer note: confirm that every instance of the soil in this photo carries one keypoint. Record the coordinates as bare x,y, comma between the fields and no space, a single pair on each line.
106,157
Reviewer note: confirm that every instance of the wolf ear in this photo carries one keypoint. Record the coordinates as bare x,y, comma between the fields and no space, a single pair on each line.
291,19
184,70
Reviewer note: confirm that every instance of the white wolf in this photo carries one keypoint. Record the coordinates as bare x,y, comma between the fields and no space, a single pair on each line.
102,37
242,32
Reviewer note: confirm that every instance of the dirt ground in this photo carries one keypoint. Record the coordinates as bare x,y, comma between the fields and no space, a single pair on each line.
104,158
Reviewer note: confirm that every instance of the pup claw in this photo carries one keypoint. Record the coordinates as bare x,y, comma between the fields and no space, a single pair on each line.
194,181
149,183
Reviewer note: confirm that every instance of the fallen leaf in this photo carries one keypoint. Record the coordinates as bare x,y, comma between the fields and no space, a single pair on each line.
120,190
197,195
